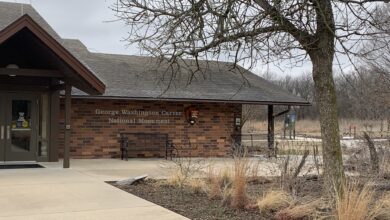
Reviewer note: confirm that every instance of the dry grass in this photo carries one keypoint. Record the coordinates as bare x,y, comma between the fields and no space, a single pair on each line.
227,195
217,180
182,170
312,127
303,211
381,209
274,201
357,201
354,204
239,183
384,162
297,147
229,185
225,177
196,185
308,126
176,179
214,190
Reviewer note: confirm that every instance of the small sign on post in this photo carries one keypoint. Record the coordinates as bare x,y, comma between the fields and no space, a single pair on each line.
289,124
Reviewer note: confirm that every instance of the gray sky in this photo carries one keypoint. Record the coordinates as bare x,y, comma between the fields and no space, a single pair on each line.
91,22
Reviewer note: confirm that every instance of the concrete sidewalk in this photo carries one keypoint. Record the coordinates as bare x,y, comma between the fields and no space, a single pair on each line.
55,193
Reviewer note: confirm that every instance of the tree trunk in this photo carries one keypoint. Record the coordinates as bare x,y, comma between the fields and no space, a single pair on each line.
373,154
327,106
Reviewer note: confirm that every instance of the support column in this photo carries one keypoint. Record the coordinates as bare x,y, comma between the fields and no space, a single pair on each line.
54,123
271,131
67,132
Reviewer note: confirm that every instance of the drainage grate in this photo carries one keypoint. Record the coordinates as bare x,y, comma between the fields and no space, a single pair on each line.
20,166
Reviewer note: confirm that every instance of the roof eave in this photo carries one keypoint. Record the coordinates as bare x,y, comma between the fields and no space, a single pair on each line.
253,102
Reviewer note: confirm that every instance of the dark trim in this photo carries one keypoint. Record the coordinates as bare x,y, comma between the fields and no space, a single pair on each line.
192,100
24,88
31,72
54,125
97,86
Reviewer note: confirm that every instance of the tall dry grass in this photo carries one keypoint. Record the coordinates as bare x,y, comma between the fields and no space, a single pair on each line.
239,197
382,208
360,203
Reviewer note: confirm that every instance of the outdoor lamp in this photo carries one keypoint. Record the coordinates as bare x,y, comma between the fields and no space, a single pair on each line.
12,66
192,114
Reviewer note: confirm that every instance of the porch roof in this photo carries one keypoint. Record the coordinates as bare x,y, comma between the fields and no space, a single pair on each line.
31,27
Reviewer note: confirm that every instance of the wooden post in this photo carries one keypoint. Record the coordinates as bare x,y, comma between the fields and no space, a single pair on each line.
271,131
68,103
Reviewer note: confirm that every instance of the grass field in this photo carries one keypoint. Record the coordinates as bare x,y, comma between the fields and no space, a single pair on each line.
311,128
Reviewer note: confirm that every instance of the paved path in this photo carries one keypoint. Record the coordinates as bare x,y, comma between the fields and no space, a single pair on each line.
76,193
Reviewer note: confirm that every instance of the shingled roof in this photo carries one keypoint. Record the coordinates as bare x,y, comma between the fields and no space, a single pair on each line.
10,12
145,78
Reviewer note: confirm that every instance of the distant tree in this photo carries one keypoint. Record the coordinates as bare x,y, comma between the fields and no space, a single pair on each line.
262,30
376,56
302,86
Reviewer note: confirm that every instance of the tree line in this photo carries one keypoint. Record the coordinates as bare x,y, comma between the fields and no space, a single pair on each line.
363,94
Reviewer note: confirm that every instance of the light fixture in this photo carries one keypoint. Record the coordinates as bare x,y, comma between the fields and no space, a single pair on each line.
192,115
12,66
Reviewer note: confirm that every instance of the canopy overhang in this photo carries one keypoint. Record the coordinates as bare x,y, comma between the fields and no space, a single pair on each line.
68,68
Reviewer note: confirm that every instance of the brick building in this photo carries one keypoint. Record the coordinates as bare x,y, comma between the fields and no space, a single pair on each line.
57,99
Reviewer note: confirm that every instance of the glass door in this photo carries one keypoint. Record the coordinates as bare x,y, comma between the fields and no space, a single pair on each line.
21,125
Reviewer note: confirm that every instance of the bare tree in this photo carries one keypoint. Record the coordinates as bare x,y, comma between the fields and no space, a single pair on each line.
255,31
376,56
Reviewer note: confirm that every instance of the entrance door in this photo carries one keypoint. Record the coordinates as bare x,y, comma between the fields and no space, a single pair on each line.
18,127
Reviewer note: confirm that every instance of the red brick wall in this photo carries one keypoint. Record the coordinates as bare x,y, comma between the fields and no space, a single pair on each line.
94,137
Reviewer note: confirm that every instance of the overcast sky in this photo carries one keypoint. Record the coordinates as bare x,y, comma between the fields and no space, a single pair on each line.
91,21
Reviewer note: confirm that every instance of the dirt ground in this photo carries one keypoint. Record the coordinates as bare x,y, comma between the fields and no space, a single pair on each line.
198,206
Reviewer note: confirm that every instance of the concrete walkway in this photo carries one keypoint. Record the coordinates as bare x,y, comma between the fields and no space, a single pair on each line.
76,193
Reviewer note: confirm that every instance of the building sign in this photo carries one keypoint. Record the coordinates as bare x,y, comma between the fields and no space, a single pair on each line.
135,116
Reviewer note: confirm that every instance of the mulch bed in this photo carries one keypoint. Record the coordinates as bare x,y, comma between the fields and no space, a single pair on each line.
198,206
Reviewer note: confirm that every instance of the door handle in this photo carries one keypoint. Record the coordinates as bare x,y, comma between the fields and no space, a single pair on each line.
8,132
2,132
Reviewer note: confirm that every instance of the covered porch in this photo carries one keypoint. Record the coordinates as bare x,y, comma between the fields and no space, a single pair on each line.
35,72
